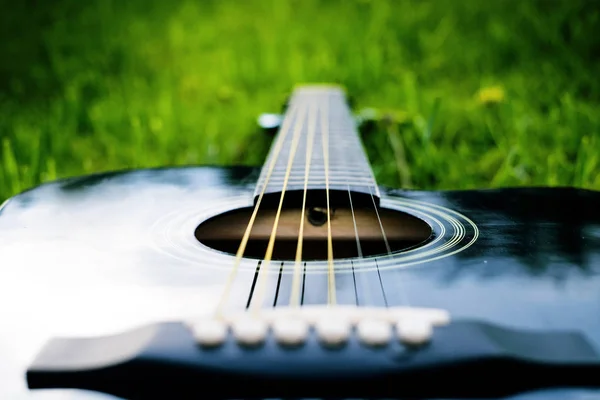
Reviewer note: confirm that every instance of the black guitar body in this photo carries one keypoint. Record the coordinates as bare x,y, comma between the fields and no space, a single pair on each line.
102,254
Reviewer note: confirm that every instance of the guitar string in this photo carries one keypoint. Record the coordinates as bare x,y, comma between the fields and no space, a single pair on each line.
264,276
242,247
364,285
388,249
363,282
387,244
358,247
295,293
331,295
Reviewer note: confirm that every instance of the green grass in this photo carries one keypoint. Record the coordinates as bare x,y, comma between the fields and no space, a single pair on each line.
95,85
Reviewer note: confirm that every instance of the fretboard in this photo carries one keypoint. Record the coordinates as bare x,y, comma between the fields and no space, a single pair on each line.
319,131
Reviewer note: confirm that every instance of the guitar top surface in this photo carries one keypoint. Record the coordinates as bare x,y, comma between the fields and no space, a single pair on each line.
109,252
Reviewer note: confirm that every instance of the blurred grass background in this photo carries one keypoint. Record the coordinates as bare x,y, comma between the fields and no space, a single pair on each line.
479,93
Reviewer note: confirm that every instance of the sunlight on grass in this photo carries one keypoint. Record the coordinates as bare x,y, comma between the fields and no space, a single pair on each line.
485,93
491,95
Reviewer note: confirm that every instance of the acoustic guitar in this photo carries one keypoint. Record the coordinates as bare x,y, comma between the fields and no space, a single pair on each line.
300,279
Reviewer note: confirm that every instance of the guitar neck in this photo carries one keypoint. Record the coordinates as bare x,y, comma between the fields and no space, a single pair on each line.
318,148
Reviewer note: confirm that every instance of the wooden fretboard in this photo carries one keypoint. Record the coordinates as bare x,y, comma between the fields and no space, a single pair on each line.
318,122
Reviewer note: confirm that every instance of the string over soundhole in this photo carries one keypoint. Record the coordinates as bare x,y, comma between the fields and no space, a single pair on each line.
403,231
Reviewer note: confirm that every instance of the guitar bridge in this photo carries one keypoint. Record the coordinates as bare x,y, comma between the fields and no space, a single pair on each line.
333,326
322,352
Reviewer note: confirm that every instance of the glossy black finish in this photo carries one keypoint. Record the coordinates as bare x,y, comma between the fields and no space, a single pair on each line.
103,254
163,360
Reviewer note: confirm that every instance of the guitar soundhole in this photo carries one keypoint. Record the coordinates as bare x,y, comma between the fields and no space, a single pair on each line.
403,231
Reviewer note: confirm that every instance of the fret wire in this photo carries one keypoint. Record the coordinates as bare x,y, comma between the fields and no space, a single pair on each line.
338,173
321,175
319,184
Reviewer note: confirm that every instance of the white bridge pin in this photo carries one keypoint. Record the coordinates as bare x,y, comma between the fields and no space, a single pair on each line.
333,331
333,325
374,332
250,331
414,331
210,332
290,331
